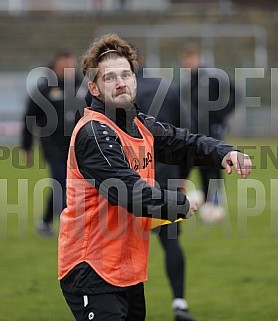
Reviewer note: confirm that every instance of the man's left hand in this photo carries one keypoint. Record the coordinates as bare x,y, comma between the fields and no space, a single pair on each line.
240,161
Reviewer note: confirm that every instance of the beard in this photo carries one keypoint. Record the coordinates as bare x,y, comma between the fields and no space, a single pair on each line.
114,109
114,101
125,105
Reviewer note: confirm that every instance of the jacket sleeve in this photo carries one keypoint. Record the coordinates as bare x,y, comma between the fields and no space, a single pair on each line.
100,157
27,130
178,146
33,116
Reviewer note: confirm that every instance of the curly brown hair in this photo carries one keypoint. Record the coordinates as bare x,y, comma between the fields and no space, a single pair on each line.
104,48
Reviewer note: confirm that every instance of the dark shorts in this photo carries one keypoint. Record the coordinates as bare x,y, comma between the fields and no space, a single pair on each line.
128,305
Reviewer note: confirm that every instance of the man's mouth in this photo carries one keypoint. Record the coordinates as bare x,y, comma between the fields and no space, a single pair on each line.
121,93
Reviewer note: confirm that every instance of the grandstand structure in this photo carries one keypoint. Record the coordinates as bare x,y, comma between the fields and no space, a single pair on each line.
233,34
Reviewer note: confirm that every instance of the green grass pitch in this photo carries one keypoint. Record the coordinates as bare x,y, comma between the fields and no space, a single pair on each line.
231,268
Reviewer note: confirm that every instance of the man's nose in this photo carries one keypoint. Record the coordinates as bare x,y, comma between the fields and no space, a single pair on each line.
120,82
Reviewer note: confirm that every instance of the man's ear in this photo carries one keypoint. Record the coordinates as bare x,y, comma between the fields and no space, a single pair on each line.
93,88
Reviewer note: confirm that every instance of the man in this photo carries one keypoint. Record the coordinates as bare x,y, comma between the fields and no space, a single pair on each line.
207,87
111,199
51,115
160,99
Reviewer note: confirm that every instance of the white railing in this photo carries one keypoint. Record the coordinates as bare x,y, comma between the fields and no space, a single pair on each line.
19,6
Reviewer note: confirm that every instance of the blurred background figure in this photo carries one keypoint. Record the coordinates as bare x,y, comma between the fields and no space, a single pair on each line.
156,98
122,4
51,113
98,5
209,98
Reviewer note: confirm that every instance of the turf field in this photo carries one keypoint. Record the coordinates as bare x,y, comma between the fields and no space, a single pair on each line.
232,268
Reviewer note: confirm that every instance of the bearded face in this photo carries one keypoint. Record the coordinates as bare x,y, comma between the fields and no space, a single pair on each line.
115,84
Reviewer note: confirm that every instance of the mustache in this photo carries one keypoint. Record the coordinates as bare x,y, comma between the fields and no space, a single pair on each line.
121,91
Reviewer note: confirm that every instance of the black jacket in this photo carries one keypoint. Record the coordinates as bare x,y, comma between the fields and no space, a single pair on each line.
157,98
51,114
97,160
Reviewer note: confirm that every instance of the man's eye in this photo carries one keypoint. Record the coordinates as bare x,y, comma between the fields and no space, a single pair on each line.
126,75
109,78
